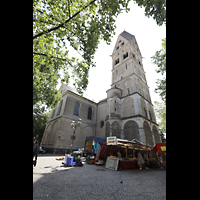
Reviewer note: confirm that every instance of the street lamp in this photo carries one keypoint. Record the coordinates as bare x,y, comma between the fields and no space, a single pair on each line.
74,125
161,135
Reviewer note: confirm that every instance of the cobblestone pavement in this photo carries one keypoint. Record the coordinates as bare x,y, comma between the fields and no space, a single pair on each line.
53,181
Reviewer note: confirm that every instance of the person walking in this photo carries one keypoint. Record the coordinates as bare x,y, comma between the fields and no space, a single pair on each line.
140,160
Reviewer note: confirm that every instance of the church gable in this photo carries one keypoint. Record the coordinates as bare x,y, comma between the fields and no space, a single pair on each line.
130,37
121,41
64,88
124,38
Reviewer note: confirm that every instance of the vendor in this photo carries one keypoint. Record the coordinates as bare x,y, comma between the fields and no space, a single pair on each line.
119,154
123,153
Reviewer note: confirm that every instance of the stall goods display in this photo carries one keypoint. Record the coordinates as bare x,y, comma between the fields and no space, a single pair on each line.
133,159
60,158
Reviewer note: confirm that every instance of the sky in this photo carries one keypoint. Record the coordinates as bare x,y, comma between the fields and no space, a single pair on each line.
148,36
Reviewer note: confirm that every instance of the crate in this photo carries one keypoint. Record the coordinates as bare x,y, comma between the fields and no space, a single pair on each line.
66,157
69,161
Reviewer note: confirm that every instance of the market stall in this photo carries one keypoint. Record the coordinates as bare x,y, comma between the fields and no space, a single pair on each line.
160,148
126,151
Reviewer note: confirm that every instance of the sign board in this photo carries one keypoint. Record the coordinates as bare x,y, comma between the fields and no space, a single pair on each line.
112,163
112,140
163,148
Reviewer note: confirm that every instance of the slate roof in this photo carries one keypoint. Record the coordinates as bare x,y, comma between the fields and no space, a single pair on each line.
72,89
127,35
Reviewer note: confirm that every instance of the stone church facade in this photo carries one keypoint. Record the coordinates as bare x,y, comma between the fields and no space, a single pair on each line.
127,112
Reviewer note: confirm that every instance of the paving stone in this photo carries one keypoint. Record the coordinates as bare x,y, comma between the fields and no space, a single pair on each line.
52,181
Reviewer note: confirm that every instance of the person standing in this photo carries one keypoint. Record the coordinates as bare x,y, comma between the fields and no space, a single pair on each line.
161,162
35,150
140,160
119,154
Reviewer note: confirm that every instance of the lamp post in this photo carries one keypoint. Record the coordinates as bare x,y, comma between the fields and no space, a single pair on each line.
161,135
74,125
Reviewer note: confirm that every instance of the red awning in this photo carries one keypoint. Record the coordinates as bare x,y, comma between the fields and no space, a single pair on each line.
160,148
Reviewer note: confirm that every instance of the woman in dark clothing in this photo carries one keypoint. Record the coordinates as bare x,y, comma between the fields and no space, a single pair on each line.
35,150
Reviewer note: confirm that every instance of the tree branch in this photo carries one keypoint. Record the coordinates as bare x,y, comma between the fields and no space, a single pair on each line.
42,54
57,27
69,9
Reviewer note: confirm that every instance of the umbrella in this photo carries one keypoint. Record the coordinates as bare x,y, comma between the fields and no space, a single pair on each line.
160,148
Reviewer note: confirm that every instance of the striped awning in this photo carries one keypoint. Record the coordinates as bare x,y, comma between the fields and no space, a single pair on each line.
104,151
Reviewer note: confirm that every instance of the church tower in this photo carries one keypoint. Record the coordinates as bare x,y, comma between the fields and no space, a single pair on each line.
130,113
127,112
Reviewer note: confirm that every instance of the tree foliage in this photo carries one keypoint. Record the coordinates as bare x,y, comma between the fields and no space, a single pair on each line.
155,9
40,118
81,24
160,111
160,60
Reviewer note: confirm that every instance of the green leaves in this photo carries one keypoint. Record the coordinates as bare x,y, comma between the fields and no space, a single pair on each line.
155,9
160,111
159,59
80,24
40,118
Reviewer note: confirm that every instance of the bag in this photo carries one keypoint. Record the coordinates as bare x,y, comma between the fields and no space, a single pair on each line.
80,164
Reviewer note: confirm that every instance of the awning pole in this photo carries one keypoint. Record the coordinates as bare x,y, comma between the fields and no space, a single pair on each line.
150,153
147,153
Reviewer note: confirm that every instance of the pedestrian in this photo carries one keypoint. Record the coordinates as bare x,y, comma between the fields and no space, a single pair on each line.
35,150
140,160
161,162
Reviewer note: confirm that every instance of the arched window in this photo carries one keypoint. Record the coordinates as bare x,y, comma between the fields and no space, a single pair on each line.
101,123
131,130
76,108
89,113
